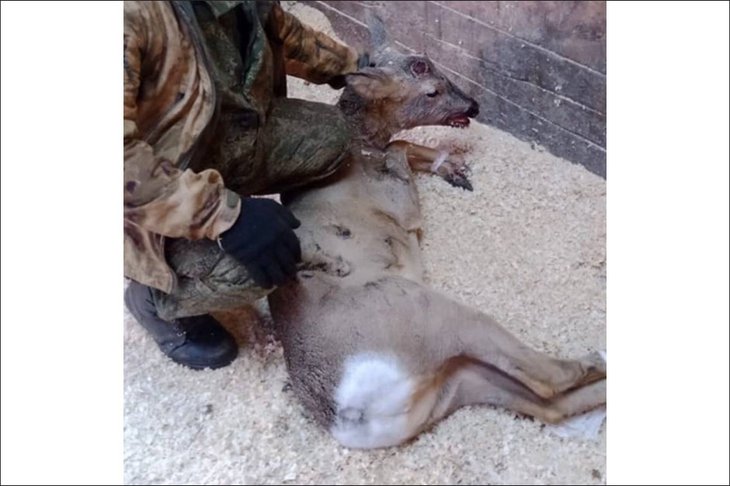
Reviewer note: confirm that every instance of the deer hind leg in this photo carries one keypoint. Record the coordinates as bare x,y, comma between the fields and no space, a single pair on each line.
543,375
434,355
478,336
448,329
378,404
483,384
463,381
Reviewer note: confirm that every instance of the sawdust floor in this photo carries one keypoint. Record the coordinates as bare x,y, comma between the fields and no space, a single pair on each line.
527,246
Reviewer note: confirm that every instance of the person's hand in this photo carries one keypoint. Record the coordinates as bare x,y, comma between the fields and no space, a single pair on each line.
339,82
263,240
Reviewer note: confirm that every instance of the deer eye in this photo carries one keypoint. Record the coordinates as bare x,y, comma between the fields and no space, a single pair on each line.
432,94
420,68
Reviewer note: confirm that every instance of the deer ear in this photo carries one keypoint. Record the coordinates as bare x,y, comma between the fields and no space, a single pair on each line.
378,37
419,67
371,83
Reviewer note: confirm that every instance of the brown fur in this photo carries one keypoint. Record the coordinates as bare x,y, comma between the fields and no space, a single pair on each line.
361,289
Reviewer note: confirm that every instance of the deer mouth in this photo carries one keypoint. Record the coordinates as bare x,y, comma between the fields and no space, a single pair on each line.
460,120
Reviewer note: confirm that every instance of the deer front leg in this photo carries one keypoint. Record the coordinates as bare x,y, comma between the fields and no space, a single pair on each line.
451,168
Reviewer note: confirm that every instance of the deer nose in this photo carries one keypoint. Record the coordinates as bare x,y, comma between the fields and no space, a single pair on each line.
473,110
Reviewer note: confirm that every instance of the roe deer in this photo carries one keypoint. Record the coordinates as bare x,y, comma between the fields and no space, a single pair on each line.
373,354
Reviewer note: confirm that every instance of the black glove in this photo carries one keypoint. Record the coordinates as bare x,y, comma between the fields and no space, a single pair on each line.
263,240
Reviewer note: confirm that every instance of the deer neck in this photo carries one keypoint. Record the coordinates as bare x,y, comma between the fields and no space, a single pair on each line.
368,119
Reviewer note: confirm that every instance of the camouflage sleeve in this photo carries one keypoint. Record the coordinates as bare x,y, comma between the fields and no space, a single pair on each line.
158,196
312,55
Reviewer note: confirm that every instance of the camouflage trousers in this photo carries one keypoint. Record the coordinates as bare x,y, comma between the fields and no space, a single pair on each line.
301,142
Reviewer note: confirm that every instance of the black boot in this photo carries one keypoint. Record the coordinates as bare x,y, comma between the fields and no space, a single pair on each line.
197,342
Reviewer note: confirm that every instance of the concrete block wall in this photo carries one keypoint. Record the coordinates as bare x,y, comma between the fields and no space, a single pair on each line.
538,69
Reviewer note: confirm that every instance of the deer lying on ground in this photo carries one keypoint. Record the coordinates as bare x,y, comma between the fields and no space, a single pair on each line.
373,354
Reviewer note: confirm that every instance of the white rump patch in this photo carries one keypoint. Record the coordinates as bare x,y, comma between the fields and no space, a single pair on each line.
372,399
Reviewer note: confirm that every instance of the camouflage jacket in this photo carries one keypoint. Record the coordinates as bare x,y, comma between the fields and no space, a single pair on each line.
181,61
